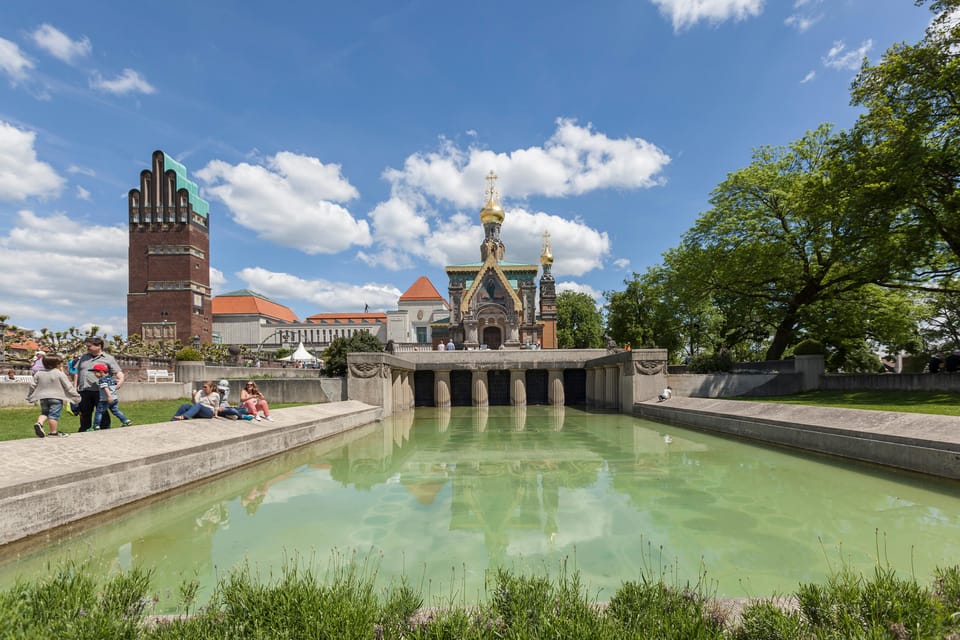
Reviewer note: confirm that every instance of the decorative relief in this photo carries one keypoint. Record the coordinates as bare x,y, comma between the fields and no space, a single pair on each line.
649,367
367,370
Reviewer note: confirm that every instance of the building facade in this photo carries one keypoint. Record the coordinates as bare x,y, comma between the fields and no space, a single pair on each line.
168,296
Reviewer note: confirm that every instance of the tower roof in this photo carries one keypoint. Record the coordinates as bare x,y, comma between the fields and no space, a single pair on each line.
200,206
247,302
422,289
492,211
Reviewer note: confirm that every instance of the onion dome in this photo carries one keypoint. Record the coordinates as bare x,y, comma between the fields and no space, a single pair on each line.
492,212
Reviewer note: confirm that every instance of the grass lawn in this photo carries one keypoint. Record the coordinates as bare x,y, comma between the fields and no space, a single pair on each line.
934,402
17,422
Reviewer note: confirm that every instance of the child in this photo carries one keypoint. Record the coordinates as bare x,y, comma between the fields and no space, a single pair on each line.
225,410
108,396
666,394
51,387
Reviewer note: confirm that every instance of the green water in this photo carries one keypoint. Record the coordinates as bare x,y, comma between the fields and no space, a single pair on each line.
442,496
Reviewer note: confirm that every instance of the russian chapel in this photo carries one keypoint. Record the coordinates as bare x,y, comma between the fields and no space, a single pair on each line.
494,302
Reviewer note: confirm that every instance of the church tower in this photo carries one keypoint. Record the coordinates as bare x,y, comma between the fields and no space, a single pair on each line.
168,296
548,296
491,216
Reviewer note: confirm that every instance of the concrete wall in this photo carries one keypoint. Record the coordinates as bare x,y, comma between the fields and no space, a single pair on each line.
720,385
891,382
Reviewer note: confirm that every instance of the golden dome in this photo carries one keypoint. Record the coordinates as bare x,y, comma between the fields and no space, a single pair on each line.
546,256
493,212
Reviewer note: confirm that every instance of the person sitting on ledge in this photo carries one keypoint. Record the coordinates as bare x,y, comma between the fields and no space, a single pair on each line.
666,394
225,410
205,403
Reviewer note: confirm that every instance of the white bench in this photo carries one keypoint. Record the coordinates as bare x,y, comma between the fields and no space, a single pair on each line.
158,375
22,378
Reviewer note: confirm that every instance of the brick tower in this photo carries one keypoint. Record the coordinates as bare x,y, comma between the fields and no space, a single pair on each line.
169,256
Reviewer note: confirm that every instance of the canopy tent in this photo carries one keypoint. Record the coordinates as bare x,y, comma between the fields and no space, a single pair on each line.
302,355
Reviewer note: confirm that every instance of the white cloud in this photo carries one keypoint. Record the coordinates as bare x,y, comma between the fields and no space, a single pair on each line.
22,175
76,272
84,172
83,194
575,160
622,263
59,45
802,23
217,280
324,294
13,62
809,77
578,287
291,201
839,58
129,81
686,13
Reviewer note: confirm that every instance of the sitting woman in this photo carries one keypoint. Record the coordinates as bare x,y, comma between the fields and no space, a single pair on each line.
205,403
253,400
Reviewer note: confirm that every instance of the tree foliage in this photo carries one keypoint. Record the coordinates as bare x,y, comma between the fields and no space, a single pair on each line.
911,129
579,323
335,355
786,233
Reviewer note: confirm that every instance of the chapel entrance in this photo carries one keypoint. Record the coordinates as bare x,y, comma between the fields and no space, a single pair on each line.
492,337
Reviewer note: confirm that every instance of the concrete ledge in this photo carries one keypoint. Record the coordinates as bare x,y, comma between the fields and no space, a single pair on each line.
916,442
46,483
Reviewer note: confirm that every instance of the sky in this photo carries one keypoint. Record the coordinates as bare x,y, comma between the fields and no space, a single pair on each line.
343,146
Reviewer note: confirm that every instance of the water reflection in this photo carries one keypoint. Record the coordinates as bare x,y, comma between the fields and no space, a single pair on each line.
469,489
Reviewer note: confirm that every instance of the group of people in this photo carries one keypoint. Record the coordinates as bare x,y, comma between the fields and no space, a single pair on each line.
212,401
92,393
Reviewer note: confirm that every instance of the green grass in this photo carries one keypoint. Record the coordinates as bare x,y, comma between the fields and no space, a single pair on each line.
342,601
17,422
933,402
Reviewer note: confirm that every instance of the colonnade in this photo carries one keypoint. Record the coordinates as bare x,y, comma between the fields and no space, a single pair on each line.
607,380
480,392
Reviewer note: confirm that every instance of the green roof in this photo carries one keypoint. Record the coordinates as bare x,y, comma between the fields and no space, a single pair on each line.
200,206
240,293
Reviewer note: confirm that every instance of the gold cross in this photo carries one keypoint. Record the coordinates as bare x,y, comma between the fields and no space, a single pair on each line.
491,185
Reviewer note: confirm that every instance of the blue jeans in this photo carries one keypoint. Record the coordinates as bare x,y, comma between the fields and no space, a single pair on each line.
189,411
102,407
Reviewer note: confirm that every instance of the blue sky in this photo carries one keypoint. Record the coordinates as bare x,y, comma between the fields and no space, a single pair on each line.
342,146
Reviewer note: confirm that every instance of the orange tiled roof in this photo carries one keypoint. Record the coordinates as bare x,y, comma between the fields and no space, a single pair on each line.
422,289
251,304
348,318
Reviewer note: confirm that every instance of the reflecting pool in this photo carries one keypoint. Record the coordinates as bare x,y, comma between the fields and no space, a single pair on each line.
443,495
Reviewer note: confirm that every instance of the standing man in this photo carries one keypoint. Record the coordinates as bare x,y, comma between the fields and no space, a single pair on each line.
86,381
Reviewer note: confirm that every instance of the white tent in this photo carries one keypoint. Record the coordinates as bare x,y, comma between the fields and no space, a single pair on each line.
302,355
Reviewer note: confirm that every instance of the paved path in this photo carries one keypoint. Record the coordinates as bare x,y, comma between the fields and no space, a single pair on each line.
113,467
915,441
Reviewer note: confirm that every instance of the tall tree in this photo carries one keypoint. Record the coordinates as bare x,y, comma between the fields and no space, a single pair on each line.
787,232
912,129
579,323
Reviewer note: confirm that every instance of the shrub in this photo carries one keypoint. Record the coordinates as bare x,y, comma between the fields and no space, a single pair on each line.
809,347
711,362
188,354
